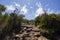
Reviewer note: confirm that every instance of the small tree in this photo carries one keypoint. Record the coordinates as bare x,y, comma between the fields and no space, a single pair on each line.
2,8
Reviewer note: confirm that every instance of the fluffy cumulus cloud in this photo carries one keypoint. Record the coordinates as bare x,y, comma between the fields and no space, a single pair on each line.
39,11
24,9
10,7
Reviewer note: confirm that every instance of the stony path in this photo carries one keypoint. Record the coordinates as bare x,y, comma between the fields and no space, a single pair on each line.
30,32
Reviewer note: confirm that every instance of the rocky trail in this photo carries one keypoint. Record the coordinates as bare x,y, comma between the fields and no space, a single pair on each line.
29,32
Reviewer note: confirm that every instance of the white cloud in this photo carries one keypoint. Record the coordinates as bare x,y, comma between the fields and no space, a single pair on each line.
16,4
31,7
39,11
24,9
10,7
50,11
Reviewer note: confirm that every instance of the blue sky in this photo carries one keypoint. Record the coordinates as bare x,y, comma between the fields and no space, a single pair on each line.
32,8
